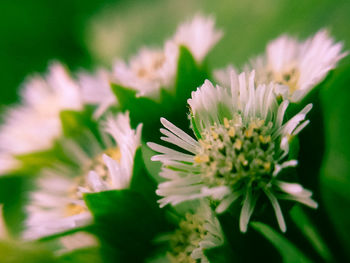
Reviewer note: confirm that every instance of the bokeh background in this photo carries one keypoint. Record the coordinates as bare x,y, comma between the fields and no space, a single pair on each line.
87,34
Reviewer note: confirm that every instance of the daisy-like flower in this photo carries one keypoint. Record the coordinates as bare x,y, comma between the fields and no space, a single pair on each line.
242,145
57,204
199,35
35,124
149,70
196,232
96,90
152,69
298,65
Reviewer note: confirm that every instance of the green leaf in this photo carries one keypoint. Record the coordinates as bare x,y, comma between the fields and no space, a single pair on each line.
152,167
74,121
335,181
141,181
309,230
82,256
15,252
288,251
125,222
13,190
189,76
221,254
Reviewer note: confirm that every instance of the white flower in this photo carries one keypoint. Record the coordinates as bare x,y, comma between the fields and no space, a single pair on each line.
153,69
298,65
149,70
57,204
76,241
199,35
7,163
35,124
96,90
243,144
197,231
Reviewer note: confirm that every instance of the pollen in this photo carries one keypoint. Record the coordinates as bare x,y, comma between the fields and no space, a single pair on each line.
234,151
232,132
201,158
74,209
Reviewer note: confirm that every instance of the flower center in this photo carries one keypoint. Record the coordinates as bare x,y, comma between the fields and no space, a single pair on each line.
97,164
148,71
237,155
186,238
288,77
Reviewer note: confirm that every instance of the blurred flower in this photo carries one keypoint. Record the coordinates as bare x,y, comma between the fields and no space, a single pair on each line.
149,70
57,205
7,163
35,124
195,233
199,35
76,241
242,146
153,69
299,66
96,90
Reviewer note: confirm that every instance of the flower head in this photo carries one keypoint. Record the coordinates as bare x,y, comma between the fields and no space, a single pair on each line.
298,65
96,90
242,145
149,70
199,35
58,204
152,69
196,232
33,125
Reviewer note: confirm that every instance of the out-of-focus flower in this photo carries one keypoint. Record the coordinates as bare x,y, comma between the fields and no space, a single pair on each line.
149,70
76,241
196,232
298,65
199,35
96,90
35,124
7,163
242,146
152,69
57,205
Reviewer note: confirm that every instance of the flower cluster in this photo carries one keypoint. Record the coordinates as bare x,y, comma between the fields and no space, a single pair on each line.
239,155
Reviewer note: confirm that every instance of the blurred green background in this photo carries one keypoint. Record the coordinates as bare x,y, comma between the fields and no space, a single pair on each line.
86,34
83,34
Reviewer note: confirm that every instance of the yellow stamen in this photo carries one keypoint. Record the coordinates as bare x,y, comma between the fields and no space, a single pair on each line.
226,123
232,132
